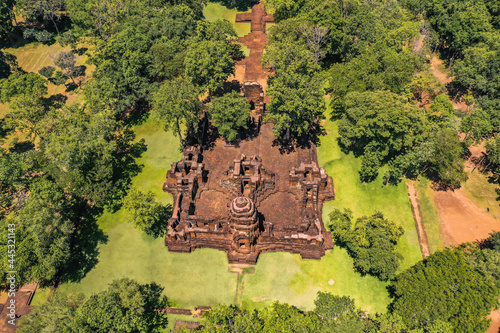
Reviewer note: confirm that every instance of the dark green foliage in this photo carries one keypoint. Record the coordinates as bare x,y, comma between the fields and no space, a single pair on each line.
220,30
124,307
67,38
47,71
13,166
126,70
21,83
148,214
79,151
379,126
296,91
6,18
176,105
59,78
230,114
441,108
444,287
208,63
459,24
168,59
26,114
54,316
371,242
446,161
103,17
478,72
338,314
43,228
477,125
42,36
276,318
494,241
7,64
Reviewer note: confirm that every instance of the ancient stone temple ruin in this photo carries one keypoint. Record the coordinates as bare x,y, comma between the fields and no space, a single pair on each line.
251,197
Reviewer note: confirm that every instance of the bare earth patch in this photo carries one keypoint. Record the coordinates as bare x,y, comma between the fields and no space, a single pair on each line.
461,220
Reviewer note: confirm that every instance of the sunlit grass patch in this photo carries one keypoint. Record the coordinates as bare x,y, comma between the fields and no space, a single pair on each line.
215,11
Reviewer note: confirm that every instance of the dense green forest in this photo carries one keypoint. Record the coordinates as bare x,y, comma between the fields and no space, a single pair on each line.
162,59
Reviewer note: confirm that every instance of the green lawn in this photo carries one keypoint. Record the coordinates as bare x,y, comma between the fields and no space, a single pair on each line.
215,11
367,198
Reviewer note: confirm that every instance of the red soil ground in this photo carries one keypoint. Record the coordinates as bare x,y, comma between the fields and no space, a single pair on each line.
461,220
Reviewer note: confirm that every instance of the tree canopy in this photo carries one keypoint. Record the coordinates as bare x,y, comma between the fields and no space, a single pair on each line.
177,106
371,242
230,113
444,287
125,306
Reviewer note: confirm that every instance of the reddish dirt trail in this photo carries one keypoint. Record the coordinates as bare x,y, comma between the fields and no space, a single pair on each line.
250,68
495,322
461,220
443,78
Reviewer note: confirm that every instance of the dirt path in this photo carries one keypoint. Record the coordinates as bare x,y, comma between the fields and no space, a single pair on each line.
417,217
461,220
249,69
495,322
443,78
436,65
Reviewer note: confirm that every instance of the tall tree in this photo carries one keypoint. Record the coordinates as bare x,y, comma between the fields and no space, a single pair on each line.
176,104
208,64
66,60
296,103
371,242
147,214
79,152
6,18
56,315
379,126
48,9
43,228
230,114
22,83
126,306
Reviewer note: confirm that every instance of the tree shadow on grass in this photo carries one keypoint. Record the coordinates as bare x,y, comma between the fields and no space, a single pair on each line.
125,166
84,246
159,227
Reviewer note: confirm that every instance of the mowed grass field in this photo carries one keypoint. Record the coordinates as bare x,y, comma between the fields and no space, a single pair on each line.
430,216
214,11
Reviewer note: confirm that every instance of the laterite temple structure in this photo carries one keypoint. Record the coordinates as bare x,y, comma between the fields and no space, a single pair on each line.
251,197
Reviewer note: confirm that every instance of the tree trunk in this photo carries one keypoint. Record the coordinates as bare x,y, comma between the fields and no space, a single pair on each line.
180,135
478,163
55,25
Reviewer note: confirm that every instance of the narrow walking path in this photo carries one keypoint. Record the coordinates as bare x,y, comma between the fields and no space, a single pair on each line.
417,216
250,68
